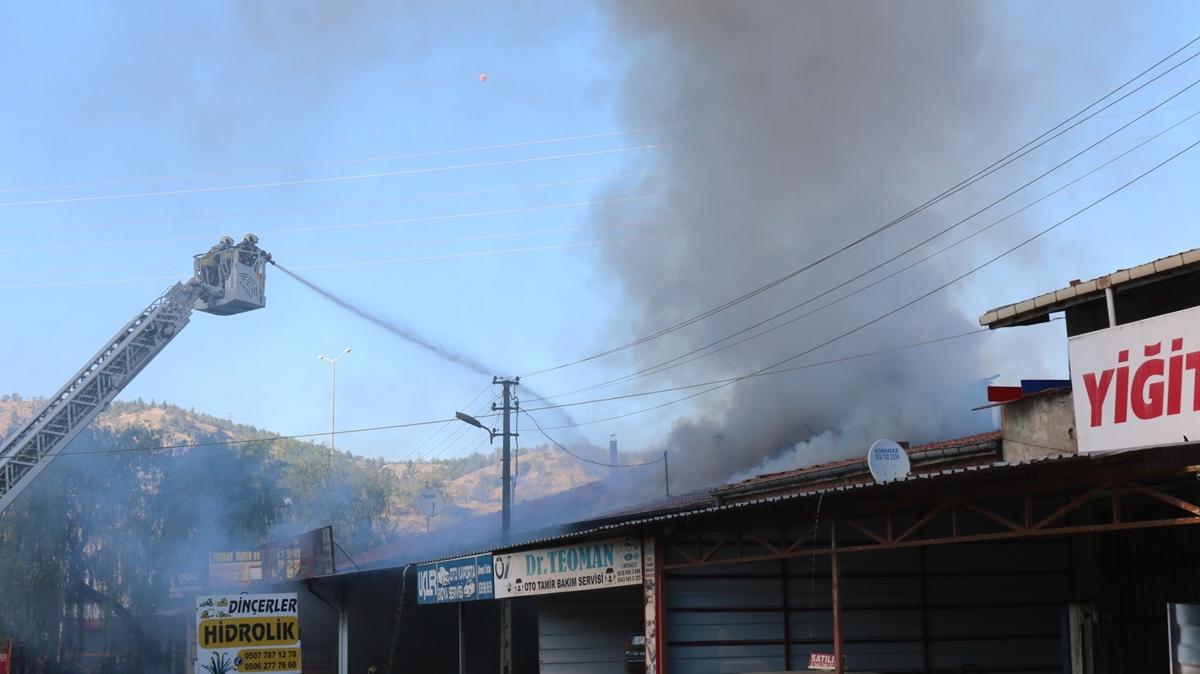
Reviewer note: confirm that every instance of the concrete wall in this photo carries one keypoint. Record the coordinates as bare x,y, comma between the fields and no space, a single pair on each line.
1041,425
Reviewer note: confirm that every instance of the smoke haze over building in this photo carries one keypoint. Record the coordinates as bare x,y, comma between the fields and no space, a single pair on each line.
794,129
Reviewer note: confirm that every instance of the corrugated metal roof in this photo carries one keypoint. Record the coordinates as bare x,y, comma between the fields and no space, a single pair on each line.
793,495
923,457
649,518
776,487
1086,291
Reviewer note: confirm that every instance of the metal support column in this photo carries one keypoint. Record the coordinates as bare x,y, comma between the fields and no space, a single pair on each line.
835,574
343,646
784,592
506,636
1112,307
462,642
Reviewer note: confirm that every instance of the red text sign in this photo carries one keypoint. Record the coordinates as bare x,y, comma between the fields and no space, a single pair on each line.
1138,385
823,662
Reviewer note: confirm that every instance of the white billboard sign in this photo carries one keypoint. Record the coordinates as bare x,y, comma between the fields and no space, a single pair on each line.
583,566
247,633
1138,385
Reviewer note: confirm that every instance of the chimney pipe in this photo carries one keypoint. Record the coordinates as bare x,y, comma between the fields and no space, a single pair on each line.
612,456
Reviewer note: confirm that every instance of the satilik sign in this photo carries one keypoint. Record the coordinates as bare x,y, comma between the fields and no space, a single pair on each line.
247,633
822,662
1137,385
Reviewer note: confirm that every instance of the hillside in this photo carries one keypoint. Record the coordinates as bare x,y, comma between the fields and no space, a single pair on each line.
470,485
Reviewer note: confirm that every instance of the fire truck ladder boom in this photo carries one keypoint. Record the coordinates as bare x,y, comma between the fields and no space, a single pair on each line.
228,279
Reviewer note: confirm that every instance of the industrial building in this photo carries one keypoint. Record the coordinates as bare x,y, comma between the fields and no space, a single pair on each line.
1021,550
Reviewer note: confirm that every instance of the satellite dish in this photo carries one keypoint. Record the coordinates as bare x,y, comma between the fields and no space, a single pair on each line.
429,502
887,461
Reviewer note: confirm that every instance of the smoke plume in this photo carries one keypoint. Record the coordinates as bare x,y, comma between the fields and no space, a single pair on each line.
794,128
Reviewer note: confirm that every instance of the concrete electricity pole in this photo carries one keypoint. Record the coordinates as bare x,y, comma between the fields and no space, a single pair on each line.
507,407
333,403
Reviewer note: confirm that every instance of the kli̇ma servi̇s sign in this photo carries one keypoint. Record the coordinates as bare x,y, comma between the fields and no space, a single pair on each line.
1138,385
247,633
454,580
583,566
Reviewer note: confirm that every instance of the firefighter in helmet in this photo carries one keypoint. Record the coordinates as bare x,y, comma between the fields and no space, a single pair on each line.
207,266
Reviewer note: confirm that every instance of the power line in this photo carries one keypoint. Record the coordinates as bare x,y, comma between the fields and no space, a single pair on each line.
463,432
879,318
686,357
344,225
360,263
446,425
270,438
338,162
350,204
403,244
335,179
1047,136
558,444
732,380
483,415
424,258
492,237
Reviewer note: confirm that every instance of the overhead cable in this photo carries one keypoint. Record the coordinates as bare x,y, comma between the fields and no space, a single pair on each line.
339,162
338,226
339,205
1037,142
691,356
361,263
558,444
896,310
336,179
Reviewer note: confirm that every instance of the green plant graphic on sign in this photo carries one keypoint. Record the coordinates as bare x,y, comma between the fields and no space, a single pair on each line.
219,664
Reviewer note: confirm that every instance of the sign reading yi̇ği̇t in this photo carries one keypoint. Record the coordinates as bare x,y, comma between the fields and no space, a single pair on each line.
454,580
1137,385
247,633
583,566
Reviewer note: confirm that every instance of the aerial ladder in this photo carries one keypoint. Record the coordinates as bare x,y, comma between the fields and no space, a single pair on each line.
228,279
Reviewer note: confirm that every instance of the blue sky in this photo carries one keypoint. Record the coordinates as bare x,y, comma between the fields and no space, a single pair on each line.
481,238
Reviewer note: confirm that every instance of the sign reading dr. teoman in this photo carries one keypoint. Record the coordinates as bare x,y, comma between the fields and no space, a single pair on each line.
247,633
1138,385
584,566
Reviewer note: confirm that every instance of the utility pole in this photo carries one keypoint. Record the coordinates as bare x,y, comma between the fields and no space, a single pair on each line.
507,407
506,433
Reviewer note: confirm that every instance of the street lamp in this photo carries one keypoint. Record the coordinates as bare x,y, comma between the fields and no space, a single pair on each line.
467,418
333,402
506,480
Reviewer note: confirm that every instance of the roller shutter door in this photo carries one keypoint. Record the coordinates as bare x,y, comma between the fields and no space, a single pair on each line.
584,632
998,606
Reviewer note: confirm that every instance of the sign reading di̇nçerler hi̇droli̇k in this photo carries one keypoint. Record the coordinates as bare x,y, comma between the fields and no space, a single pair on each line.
247,633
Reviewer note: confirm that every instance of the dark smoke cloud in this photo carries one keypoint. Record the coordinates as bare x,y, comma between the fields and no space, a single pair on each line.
795,128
